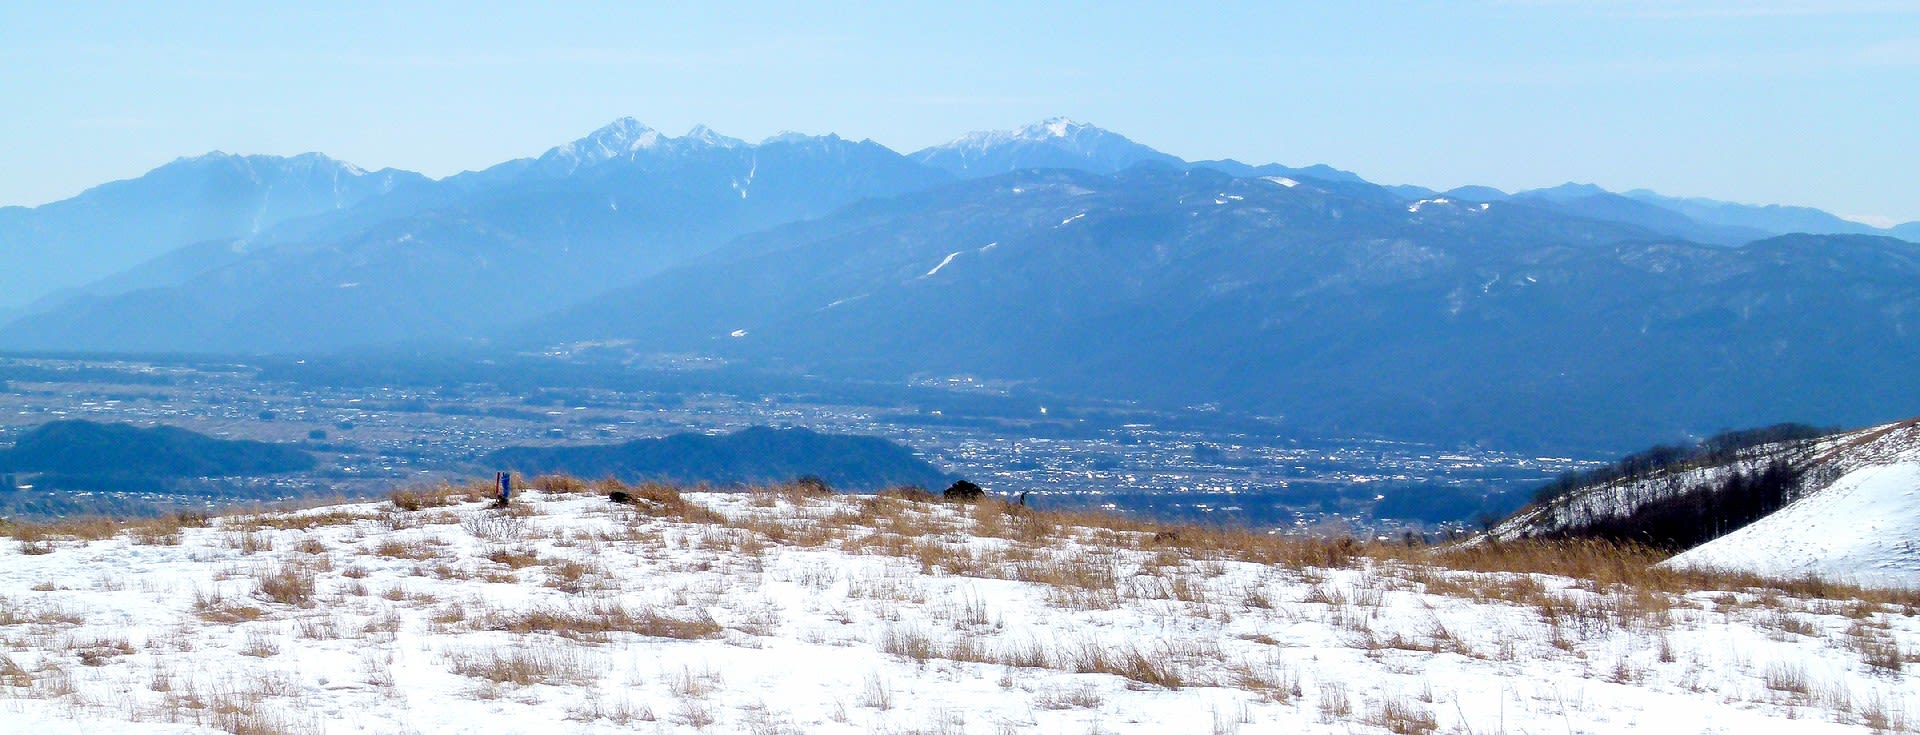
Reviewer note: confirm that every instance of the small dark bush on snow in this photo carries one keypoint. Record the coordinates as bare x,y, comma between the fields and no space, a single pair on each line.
964,491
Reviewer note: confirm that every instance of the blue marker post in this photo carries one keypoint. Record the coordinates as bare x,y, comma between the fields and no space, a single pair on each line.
504,481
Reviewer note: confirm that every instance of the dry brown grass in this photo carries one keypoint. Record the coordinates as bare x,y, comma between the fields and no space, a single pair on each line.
522,665
165,530
1334,702
560,484
98,652
41,538
212,607
441,495
288,584
514,557
574,577
1401,716
598,620
661,501
304,521
1083,696
1155,668
12,675
408,549
1604,565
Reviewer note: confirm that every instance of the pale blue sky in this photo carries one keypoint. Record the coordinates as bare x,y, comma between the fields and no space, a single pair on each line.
1786,101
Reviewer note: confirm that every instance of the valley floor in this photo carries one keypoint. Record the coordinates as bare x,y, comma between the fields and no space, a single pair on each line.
777,611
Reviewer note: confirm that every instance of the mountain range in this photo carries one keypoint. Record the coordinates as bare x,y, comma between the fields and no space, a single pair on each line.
1059,256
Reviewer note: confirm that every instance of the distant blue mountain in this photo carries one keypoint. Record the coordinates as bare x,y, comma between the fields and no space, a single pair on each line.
1593,202
1772,218
1692,218
1054,143
456,260
1058,255
1473,193
218,196
1507,322
1411,192
1318,171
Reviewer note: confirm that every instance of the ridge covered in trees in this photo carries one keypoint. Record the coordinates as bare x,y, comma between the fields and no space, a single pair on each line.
755,455
1749,486
87,448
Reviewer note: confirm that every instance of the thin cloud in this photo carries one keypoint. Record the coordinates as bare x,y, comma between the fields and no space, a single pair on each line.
1695,9
1903,52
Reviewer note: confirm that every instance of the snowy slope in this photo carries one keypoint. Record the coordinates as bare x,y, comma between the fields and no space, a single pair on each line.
782,613
1864,526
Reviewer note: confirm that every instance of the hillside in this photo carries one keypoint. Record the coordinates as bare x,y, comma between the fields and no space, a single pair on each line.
1505,324
752,456
77,448
780,611
1840,505
217,197
1861,525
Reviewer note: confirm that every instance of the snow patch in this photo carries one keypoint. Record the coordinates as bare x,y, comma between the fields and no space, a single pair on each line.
1069,220
1281,180
737,333
943,263
837,302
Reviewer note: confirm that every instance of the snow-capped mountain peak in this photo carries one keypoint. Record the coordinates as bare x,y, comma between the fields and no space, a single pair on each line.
703,136
618,139
624,134
1057,127
267,165
1054,130
1057,142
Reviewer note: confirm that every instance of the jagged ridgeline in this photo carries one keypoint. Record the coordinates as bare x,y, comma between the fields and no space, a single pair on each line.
86,455
1677,496
752,456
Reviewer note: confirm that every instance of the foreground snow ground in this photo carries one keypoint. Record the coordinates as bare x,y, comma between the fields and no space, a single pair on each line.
780,611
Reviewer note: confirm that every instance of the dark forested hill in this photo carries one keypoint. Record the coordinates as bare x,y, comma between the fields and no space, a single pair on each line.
751,456
86,448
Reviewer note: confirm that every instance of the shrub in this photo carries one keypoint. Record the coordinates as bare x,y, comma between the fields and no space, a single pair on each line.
963,491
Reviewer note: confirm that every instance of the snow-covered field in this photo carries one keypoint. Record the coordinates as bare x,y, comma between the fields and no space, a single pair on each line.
779,612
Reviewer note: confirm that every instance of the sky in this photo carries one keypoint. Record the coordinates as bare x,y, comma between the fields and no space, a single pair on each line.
1772,101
